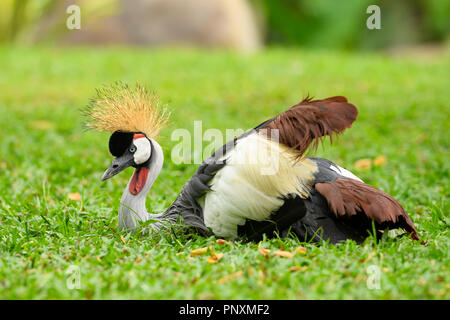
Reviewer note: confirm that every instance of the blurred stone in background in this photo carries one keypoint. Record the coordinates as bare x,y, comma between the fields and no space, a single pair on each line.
228,24
218,23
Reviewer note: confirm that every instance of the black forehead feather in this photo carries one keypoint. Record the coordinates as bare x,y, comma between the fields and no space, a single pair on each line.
119,142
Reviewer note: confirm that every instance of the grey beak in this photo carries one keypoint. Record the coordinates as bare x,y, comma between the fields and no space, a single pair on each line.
117,165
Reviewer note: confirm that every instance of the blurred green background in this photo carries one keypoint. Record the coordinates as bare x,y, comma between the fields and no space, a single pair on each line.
320,23
341,24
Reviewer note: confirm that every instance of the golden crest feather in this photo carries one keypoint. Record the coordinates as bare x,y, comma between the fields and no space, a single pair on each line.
120,108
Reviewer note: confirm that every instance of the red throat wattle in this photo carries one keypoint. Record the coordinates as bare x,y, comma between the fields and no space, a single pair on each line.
138,180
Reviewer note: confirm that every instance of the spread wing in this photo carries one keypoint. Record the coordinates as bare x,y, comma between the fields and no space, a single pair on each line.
307,122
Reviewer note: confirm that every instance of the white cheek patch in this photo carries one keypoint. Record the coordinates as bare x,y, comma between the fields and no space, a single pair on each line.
143,150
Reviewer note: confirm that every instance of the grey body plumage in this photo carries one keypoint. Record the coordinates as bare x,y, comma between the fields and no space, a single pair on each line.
307,219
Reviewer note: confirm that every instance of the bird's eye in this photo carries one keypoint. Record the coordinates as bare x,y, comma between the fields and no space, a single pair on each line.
132,149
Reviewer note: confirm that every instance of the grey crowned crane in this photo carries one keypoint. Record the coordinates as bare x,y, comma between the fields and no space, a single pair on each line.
230,195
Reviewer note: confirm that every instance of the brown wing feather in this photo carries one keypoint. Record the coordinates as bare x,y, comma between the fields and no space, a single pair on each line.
308,121
348,197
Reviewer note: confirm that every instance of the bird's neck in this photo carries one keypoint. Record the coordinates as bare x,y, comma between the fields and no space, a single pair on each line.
132,210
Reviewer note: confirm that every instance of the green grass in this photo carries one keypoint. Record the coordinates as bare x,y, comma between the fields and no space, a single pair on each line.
45,154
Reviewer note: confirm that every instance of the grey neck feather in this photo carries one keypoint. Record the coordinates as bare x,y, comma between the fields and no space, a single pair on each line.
132,208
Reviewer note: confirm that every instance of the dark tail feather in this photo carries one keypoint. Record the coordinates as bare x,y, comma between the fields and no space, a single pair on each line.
348,197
